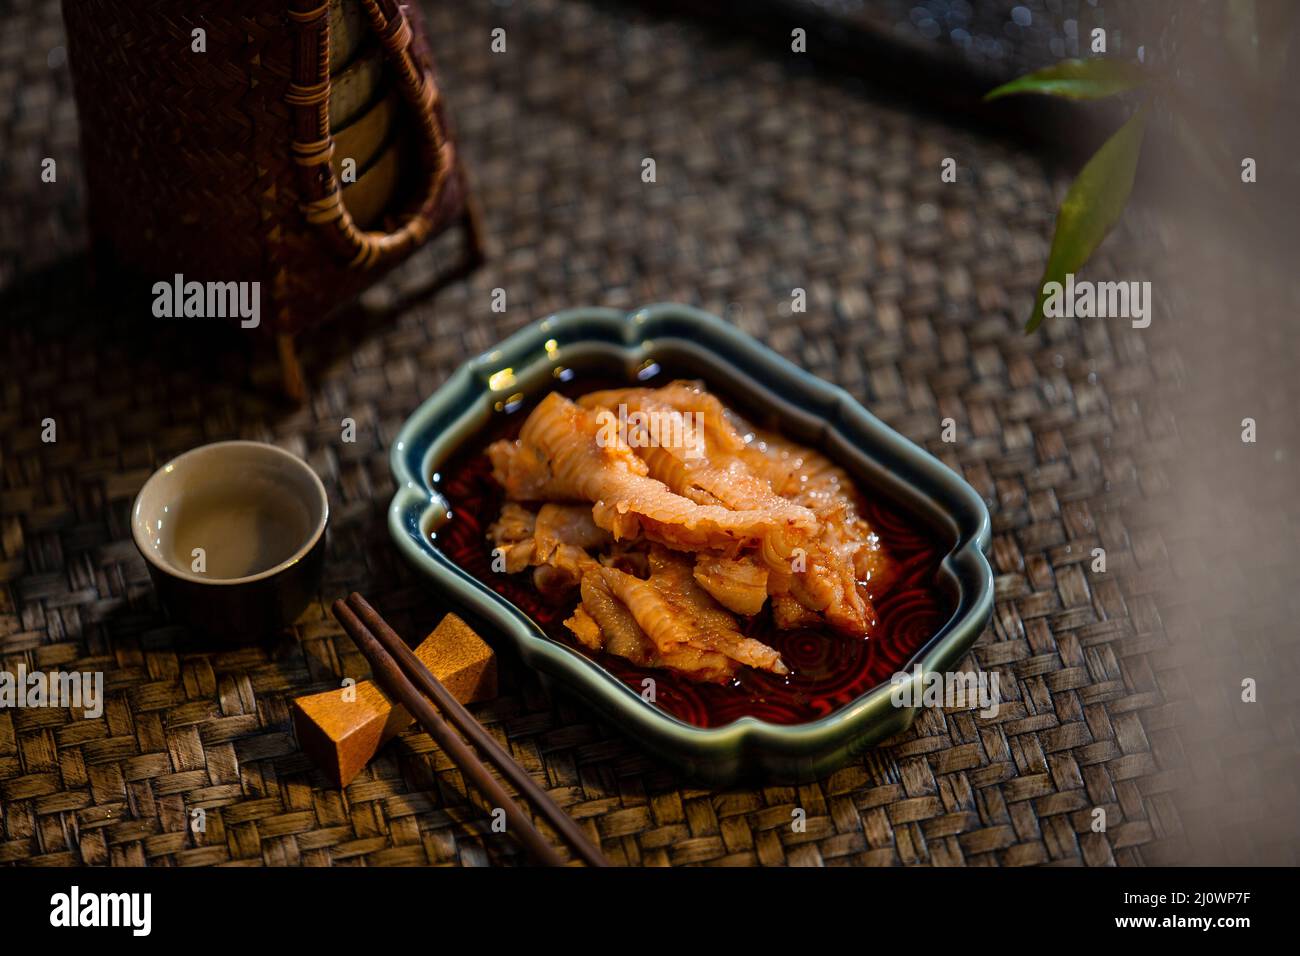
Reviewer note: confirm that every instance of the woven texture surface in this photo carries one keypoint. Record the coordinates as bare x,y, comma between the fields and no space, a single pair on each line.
769,177
225,195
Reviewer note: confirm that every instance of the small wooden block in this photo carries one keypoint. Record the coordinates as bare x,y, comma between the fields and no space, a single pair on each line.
342,735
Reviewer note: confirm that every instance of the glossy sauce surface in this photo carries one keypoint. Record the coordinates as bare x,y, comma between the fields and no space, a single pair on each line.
828,670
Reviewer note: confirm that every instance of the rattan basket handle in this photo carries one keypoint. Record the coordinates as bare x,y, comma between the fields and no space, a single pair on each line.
313,144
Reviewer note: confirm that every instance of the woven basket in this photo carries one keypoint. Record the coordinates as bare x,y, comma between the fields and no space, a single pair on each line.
218,164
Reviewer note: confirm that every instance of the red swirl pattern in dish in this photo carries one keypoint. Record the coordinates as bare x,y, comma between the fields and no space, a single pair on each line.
828,670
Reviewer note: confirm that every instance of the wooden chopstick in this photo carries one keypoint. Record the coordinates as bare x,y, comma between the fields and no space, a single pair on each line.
389,675
402,673
456,714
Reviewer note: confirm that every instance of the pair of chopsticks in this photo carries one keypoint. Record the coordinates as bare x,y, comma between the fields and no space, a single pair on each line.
402,674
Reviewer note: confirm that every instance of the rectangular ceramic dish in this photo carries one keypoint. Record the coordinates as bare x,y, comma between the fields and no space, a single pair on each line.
807,410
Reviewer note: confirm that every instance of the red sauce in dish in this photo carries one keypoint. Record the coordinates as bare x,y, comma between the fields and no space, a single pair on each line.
827,670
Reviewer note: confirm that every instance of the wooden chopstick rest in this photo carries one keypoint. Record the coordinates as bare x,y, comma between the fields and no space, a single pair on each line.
342,731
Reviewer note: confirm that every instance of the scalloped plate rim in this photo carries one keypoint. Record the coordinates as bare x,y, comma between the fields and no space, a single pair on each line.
743,742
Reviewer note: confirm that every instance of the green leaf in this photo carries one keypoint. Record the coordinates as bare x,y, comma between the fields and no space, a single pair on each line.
1077,80
1091,207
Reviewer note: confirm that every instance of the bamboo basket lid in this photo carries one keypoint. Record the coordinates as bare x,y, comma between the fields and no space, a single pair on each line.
370,195
363,138
348,30
355,87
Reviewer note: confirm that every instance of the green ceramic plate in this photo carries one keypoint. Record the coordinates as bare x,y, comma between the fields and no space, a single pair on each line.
808,410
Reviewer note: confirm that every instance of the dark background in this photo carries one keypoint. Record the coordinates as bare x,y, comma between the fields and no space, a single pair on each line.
773,172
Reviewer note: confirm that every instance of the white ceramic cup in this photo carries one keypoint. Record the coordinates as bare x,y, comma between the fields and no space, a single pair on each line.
234,537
